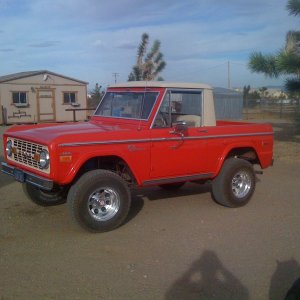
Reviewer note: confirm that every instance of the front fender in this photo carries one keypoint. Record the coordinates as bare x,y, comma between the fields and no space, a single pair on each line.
68,169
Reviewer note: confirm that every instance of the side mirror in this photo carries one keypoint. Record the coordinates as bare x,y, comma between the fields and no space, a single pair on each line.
180,127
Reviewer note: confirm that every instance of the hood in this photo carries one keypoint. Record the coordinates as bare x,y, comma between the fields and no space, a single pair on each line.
47,133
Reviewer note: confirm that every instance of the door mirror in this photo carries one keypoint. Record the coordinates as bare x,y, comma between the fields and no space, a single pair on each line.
180,127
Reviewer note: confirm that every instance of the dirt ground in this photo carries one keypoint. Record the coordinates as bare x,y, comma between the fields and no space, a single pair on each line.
178,245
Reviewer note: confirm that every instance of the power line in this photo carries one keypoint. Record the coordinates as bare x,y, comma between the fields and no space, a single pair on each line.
228,64
228,75
216,66
238,63
225,63
115,75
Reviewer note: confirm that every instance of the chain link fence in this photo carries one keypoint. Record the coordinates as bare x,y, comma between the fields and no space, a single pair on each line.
284,115
271,108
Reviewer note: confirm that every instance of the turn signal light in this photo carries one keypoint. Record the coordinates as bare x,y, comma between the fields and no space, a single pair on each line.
65,158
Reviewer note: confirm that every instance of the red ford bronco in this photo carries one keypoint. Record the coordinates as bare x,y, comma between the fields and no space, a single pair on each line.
141,134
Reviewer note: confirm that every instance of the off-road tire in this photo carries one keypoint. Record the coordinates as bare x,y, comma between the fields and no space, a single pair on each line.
235,184
43,197
99,201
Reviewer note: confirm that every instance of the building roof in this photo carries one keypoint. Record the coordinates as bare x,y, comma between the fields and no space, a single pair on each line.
21,75
225,91
164,84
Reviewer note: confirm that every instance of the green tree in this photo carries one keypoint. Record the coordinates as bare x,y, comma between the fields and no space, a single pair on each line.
263,92
293,6
148,65
287,61
246,91
250,98
255,95
96,96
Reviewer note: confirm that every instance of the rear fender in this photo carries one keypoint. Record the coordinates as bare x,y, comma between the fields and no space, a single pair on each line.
244,151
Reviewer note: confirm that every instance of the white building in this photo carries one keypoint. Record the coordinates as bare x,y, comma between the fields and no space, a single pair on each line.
41,96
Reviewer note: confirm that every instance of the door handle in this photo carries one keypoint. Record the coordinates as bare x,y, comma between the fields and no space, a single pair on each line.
177,133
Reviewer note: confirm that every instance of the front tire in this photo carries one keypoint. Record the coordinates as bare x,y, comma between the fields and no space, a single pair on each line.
43,197
99,201
235,184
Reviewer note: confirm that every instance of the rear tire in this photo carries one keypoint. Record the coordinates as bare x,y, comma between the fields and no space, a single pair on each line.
43,197
235,184
99,201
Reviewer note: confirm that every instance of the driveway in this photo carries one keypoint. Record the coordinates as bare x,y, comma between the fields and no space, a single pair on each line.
178,245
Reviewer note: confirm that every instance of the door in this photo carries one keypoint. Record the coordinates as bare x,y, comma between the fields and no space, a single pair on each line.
173,153
46,105
176,156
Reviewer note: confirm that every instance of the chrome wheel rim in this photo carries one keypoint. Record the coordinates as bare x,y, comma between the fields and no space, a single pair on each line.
103,204
241,184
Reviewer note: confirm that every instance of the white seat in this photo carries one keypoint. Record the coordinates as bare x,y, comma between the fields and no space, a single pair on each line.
191,120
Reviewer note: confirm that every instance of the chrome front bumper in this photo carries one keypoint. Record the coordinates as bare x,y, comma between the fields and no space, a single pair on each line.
24,176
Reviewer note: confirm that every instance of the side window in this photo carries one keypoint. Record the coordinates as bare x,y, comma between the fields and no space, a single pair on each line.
180,106
69,97
19,98
163,117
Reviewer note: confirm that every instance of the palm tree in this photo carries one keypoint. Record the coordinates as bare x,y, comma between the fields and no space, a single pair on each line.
148,65
287,61
293,6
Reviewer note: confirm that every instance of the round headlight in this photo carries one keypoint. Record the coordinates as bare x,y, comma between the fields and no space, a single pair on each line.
44,159
9,148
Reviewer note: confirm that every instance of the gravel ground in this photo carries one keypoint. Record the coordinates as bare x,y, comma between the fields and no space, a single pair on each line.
173,246
287,151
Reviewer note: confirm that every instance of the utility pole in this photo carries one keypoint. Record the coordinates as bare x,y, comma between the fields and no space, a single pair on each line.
228,75
115,75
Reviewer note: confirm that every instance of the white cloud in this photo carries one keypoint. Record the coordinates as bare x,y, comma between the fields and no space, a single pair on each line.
98,43
91,39
45,44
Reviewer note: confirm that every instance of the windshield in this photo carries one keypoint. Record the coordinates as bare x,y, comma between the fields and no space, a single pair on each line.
129,105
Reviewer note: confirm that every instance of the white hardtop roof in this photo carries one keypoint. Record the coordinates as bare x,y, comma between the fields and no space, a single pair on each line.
164,84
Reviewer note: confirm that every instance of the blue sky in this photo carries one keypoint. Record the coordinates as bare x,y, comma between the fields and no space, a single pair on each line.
91,39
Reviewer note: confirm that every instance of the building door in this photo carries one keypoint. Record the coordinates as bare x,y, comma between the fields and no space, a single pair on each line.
46,105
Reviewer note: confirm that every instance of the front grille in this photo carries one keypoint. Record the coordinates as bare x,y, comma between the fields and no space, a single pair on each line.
27,154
